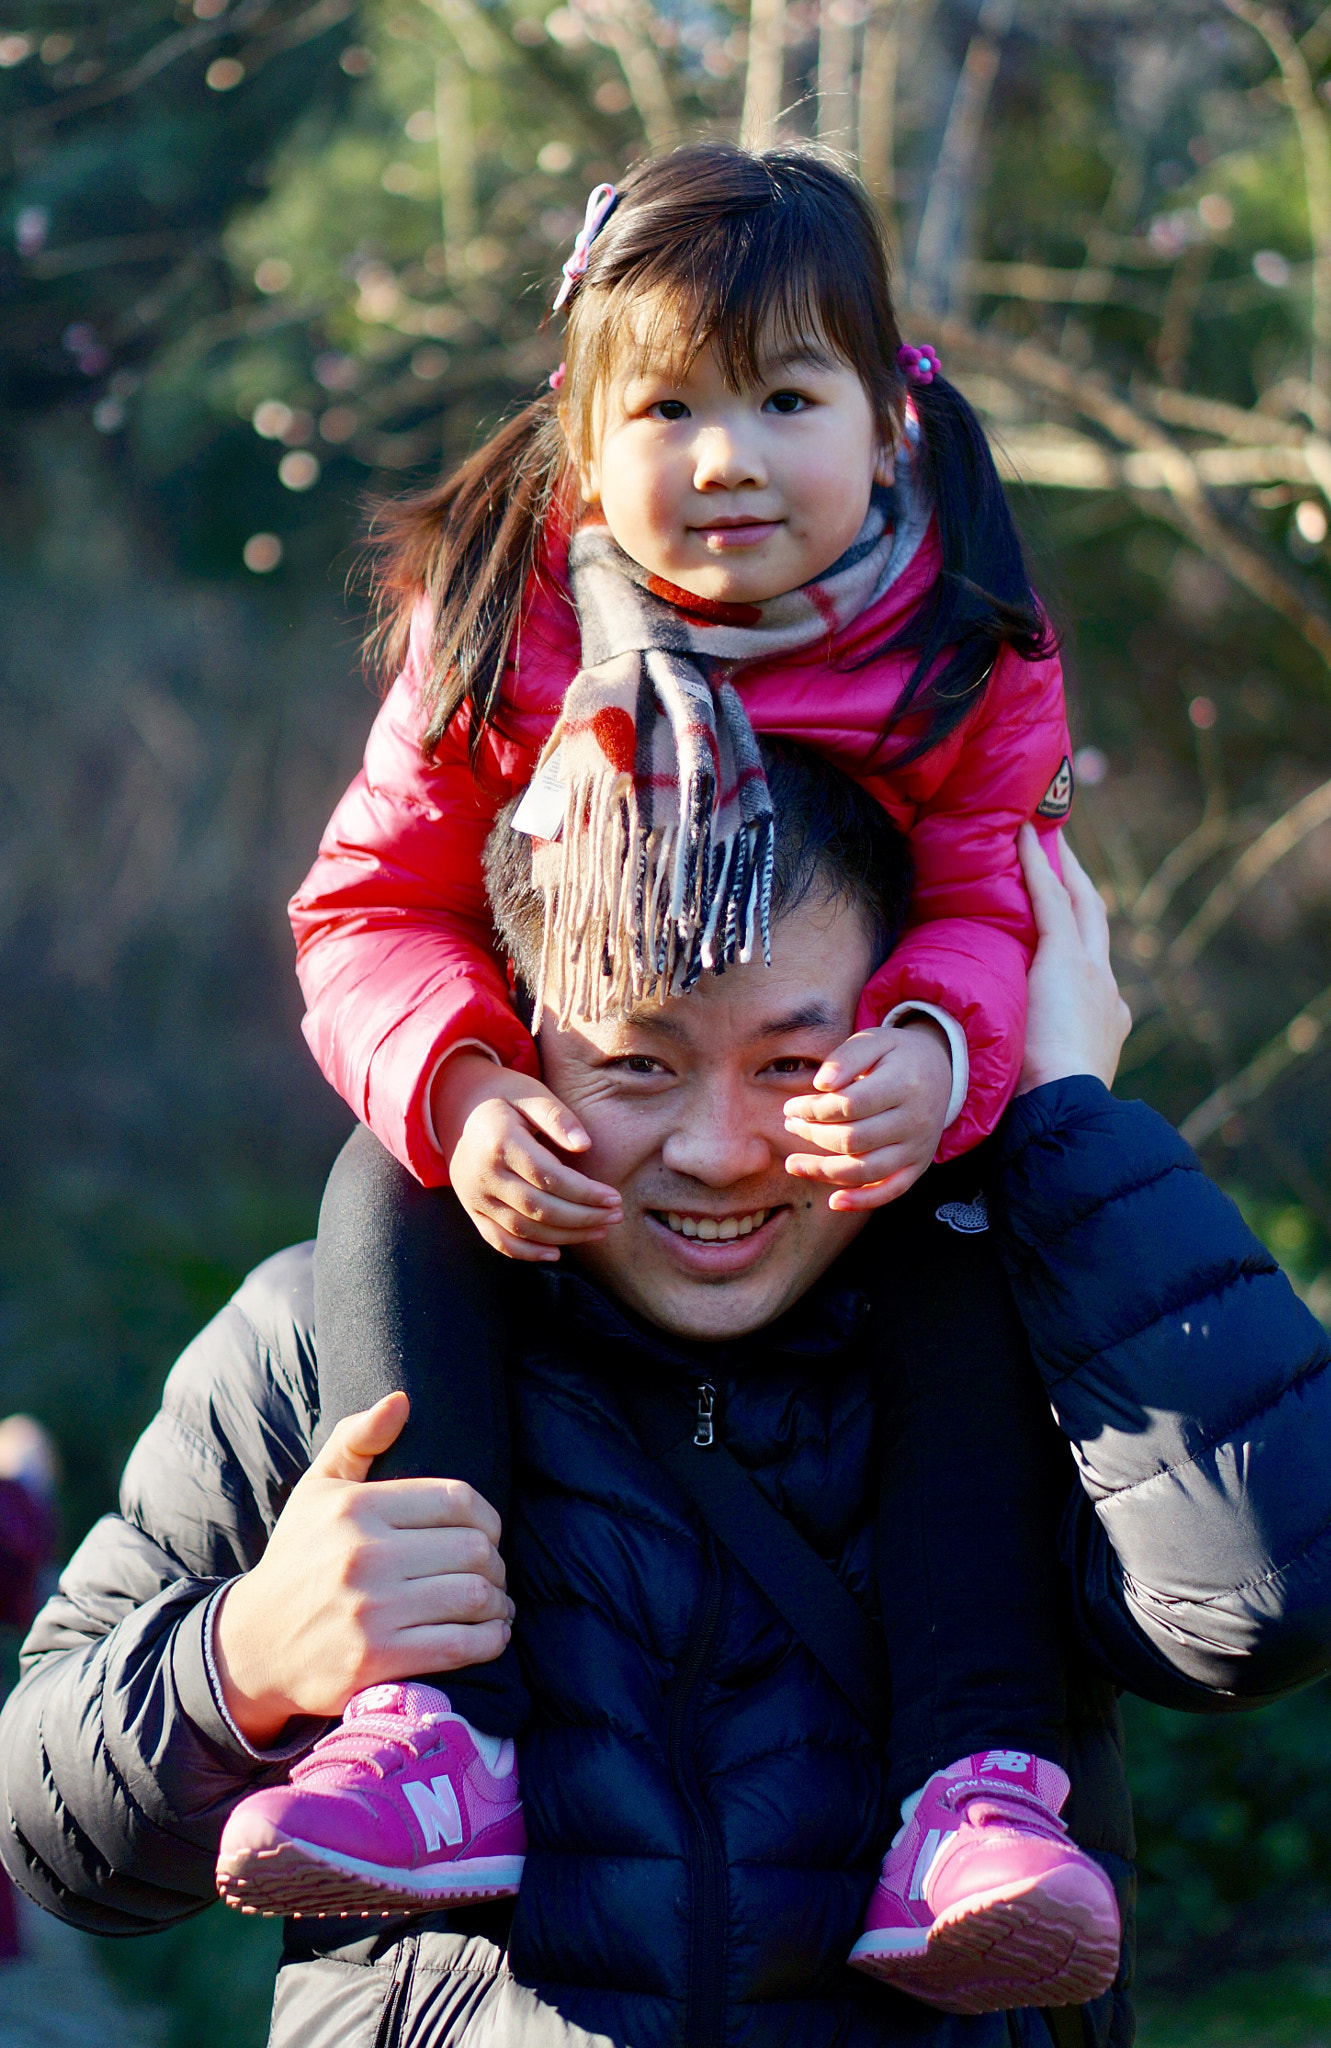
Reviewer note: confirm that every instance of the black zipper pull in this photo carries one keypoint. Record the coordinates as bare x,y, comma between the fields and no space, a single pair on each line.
705,1434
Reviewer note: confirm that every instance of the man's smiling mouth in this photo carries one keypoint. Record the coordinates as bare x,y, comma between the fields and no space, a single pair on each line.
713,1229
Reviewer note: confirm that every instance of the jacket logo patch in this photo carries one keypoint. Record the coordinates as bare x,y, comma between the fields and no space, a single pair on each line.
967,1217
1057,799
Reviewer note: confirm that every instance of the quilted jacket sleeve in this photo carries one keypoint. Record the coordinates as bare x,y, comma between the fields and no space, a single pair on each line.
116,1768
1195,1390
971,936
395,947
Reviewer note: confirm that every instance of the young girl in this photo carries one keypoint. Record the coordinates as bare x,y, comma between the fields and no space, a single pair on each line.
745,507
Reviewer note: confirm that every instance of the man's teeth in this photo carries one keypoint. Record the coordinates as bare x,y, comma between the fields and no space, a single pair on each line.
710,1228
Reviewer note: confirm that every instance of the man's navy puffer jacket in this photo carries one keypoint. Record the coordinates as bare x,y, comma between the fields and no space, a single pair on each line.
706,1811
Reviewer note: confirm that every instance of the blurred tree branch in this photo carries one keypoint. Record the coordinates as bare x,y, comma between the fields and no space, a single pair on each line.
1315,151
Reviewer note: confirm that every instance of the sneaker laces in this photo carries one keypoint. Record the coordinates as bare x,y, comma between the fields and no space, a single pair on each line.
398,1716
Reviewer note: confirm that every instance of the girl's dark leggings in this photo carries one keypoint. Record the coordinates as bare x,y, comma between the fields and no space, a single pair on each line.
407,1294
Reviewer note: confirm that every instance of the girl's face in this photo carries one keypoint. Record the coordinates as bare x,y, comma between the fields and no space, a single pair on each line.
738,496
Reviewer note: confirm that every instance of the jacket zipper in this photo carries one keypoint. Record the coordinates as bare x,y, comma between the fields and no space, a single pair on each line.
388,2034
705,2006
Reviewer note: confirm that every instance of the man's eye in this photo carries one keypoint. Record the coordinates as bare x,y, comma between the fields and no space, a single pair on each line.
638,1063
669,409
793,1064
786,401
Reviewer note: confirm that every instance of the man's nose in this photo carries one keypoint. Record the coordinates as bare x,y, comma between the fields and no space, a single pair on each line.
726,459
718,1140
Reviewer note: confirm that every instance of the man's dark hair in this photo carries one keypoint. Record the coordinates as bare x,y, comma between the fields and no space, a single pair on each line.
833,844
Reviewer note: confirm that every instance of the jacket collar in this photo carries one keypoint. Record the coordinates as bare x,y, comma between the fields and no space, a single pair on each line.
822,1324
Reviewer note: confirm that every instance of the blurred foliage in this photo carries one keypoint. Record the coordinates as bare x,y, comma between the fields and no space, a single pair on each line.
222,1964
262,261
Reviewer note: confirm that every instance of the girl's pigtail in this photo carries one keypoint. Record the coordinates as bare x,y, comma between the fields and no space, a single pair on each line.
982,601
471,543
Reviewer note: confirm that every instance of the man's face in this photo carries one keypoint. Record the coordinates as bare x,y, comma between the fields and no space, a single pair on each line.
684,1107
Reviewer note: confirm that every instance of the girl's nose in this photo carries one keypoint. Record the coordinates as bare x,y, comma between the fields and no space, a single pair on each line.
725,460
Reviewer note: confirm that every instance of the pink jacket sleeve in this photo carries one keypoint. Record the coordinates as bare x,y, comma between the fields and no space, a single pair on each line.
971,934
395,947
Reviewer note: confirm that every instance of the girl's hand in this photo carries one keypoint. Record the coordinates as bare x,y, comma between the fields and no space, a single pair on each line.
502,1134
879,1110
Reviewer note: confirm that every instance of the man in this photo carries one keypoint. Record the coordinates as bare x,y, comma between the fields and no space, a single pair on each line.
706,1807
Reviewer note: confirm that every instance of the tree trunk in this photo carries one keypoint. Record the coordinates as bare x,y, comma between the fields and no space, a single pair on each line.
765,75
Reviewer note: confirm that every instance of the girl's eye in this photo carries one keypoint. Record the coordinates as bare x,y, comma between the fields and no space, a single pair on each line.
786,401
669,409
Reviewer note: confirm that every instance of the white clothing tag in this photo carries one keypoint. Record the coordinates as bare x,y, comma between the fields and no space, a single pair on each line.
541,812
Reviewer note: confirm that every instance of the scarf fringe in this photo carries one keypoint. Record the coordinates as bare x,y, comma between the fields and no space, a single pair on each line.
692,905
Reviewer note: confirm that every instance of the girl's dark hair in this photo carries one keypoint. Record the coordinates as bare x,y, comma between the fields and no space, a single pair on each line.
720,246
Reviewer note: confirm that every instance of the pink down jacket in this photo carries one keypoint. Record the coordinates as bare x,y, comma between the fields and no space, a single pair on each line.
395,949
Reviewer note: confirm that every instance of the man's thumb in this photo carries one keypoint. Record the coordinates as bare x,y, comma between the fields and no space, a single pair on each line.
359,1439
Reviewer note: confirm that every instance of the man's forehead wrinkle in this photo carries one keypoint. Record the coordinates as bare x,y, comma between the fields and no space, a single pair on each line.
665,1022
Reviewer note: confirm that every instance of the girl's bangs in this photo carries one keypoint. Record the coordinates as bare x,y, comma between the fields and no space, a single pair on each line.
760,282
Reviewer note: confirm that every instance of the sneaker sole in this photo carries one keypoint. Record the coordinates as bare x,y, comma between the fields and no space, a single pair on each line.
299,1880
1045,1942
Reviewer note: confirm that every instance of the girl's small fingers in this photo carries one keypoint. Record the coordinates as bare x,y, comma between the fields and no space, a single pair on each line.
877,1195
848,1061
530,1165
846,1173
547,1114
511,1192
885,1087
520,1248
817,1109
534,1230
867,1134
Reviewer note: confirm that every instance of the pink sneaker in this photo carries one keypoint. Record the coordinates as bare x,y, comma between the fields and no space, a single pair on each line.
984,1903
405,1805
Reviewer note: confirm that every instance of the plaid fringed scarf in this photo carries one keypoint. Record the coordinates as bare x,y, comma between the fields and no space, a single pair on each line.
658,865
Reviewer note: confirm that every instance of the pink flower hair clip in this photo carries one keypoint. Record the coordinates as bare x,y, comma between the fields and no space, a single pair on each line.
919,365
600,205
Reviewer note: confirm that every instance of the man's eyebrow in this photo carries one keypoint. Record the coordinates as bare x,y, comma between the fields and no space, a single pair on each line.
809,1017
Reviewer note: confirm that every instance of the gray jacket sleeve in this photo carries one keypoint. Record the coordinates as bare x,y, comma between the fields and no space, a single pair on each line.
118,1767
1194,1388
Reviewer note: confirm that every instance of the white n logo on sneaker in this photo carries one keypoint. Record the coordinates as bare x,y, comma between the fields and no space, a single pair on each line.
1016,1760
436,1808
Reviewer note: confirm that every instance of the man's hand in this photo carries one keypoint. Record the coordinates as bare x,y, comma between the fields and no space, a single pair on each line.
502,1134
878,1112
360,1583
1076,1020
